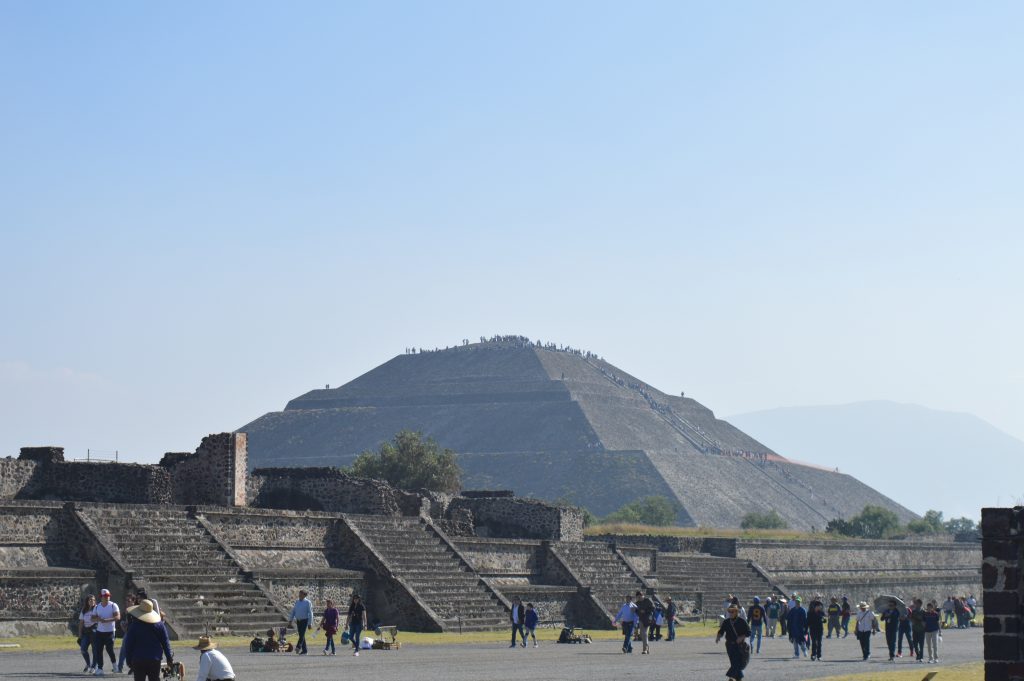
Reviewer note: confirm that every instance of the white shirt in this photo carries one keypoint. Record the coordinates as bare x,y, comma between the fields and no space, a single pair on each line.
85,618
213,665
102,612
864,620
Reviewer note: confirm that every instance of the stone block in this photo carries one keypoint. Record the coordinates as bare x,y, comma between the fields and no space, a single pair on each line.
996,522
993,625
1002,647
1006,603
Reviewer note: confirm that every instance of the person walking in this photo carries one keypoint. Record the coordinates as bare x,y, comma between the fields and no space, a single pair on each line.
85,629
735,631
784,616
645,616
816,627
865,628
518,619
917,629
834,613
932,632
126,621
356,621
947,611
625,618
146,642
670,618
213,666
772,613
530,619
329,623
755,621
302,615
105,615
844,616
797,624
891,618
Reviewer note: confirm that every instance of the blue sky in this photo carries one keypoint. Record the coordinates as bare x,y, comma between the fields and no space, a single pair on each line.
209,208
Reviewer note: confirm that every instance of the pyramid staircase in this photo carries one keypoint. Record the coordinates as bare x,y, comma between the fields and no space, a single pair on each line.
182,566
713,577
433,571
599,566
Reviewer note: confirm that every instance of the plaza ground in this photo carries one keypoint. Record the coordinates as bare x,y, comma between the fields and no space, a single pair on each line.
686,658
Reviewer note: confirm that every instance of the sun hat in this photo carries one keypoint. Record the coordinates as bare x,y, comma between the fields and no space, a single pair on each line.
862,604
144,612
204,644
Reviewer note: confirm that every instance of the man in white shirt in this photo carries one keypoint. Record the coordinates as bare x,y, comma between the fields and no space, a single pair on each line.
213,666
105,616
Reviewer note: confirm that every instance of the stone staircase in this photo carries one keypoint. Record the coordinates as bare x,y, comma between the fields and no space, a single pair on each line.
712,576
195,581
598,566
433,571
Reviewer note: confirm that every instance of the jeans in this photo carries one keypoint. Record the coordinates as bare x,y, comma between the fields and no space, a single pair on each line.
845,624
85,644
301,625
904,632
329,643
735,660
799,645
755,633
102,640
627,631
671,630
864,637
931,639
355,630
146,670
517,627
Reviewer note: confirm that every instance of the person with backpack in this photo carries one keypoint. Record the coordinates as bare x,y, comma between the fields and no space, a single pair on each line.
865,628
755,620
735,631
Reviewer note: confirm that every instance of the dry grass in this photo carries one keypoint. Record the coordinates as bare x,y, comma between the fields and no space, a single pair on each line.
631,528
974,671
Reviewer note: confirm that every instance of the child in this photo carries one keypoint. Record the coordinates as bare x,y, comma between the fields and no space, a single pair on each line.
329,623
271,645
932,632
530,621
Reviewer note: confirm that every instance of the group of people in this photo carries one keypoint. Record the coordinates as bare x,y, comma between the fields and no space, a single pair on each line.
303,618
146,643
641,619
524,620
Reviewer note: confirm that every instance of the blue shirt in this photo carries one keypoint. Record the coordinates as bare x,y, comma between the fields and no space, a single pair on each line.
146,642
302,610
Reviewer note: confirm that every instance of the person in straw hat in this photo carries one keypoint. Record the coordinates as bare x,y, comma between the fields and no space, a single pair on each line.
213,666
146,642
735,630
867,624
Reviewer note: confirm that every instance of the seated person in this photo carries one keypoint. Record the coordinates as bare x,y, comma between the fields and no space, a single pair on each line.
256,644
271,645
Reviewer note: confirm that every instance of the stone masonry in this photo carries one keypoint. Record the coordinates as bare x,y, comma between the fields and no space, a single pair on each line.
1001,573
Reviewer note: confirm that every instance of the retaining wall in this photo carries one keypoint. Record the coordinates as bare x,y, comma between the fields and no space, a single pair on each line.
1002,531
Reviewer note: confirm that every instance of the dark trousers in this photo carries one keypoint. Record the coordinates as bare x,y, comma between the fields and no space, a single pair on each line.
904,633
890,640
355,630
103,640
845,624
671,630
301,625
85,644
145,670
735,660
627,631
918,644
816,643
518,627
833,625
864,637
329,643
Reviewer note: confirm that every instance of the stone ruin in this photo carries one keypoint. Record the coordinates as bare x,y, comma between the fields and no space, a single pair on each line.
1002,576
224,549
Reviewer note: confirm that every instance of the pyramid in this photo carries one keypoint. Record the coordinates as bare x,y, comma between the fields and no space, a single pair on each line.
559,424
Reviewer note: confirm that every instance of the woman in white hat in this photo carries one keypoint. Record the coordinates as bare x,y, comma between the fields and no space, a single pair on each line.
146,642
867,624
213,666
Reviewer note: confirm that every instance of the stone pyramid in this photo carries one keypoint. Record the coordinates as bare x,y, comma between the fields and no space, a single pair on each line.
559,424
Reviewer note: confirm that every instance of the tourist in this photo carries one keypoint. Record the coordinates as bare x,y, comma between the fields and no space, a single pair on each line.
518,619
146,642
626,617
932,632
659,619
845,612
124,624
85,630
784,616
356,621
772,610
141,595
866,627
796,621
755,620
106,615
816,627
891,618
645,615
947,611
302,615
329,623
735,631
736,602
904,633
271,645
670,617
834,611
213,666
917,629
530,619
960,608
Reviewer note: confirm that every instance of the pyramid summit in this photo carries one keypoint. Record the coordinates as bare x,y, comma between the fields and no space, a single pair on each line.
559,423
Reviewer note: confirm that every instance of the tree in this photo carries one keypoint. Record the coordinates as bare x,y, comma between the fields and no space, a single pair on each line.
411,462
763,521
655,510
960,525
873,522
931,523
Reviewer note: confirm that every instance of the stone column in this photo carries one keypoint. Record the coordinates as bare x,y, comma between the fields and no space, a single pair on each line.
1003,549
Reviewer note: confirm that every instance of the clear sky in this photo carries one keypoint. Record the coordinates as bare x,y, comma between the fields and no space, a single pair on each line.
207,208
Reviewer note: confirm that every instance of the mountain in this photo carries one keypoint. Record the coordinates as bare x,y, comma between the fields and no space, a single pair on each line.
928,459
557,424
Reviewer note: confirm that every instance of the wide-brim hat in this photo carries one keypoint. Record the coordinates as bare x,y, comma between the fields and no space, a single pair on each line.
205,643
144,612
862,604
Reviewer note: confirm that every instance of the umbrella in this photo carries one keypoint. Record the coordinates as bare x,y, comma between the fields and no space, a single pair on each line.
882,604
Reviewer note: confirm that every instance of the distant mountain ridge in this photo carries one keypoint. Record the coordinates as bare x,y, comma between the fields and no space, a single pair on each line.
953,462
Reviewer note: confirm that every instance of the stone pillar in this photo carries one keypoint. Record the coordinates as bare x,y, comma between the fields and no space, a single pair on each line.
1003,549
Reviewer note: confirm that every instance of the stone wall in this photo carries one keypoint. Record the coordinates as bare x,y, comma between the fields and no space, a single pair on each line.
1003,578
214,474
33,535
17,478
514,517
42,600
664,543
321,584
327,489
495,557
275,540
